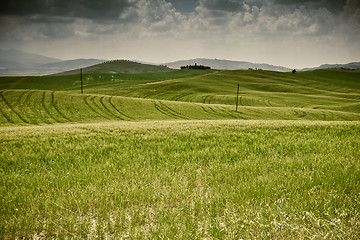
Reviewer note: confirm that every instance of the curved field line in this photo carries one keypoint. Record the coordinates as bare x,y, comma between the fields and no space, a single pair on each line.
223,112
207,97
27,103
172,111
92,107
20,96
205,110
161,110
300,113
211,97
176,98
56,107
103,113
122,114
5,115
269,103
167,110
27,99
107,109
47,110
88,104
12,109
223,109
212,111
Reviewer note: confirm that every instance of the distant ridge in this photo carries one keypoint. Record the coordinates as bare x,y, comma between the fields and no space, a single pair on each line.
352,65
69,65
119,66
226,64
17,59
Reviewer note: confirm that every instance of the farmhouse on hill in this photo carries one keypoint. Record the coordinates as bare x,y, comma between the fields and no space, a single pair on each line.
201,67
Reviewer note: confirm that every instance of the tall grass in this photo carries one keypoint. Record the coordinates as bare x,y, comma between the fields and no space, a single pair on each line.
181,180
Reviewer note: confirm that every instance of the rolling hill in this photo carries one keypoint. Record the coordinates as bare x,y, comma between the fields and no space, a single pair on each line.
146,152
226,64
123,90
118,66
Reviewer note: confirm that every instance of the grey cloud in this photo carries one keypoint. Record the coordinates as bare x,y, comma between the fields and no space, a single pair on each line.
335,6
95,9
49,20
223,5
184,6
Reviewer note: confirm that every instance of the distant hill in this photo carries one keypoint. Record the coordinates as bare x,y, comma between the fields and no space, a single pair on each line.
16,59
119,66
16,62
226,64
352,65
69,65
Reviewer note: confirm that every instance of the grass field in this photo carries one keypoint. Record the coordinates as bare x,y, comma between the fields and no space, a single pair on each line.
181,180
164,154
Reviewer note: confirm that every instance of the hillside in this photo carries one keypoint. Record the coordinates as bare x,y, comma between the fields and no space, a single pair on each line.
16,59
118,66
226,64
181,94
349,66
68,65
16,63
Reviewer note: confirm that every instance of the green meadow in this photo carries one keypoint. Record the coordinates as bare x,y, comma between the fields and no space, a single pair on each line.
153,153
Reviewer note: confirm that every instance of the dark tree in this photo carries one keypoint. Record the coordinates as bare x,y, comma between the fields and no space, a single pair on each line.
294,71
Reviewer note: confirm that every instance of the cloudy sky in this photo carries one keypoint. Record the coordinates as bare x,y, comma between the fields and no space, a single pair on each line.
291,33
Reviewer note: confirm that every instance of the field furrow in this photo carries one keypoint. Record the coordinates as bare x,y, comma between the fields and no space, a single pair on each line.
108,109
162,107
96,103
124,116
58,111
52,117
163,111
13,110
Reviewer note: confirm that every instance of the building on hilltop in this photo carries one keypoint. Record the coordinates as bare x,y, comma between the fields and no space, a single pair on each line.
201,67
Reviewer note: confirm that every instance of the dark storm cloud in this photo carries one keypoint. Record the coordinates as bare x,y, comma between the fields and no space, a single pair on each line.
94,9
224,5
184,6
335,6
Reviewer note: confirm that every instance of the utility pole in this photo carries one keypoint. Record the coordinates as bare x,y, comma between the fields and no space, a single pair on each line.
81,80
237,96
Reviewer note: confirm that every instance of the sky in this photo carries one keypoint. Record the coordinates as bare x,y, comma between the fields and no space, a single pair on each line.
290,33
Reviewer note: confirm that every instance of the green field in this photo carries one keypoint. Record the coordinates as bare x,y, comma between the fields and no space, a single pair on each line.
158,154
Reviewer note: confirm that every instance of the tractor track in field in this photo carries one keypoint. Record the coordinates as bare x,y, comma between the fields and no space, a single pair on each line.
12,108
208,98
166,110
89,105
28,96
5,115
229,113
47,110
220,111
122,114
299,113
269,103
94,100
108,110
178,97
56,107
27,104
211,111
